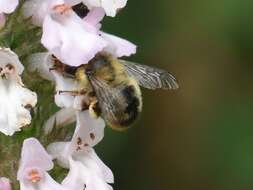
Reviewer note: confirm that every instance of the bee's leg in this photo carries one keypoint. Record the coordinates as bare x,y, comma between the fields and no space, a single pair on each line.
94,109
67,75
52,68
72,92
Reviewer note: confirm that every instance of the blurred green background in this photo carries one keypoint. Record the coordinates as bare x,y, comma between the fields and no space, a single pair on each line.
201,136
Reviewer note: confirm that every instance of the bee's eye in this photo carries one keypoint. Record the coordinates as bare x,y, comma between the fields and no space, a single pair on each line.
1,69
10,67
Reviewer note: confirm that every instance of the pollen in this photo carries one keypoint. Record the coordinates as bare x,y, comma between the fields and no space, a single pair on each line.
63,8
34,176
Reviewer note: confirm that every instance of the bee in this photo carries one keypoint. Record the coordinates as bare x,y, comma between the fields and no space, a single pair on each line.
112,87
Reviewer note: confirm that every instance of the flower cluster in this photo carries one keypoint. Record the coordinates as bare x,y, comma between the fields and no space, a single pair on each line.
71,34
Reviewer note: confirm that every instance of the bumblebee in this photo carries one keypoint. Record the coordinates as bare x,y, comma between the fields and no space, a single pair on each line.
112,87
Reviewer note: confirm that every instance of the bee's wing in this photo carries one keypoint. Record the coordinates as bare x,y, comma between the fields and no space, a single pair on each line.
149,77
109,99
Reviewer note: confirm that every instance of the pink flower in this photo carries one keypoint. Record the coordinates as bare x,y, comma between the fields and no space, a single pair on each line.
38,9
65,40
116,46
5,184
88,132
84,176
70,39
34,165
85,167
8,6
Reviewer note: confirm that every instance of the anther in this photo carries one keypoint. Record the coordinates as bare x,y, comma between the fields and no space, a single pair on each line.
63,8
34,176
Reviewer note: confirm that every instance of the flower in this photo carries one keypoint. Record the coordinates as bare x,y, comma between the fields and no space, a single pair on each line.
88,132
34,164
61,118
72,40
65,34
116,46
8,6
86,169
69,38
15,98
84,176
38,9
5,183
110,6
42,63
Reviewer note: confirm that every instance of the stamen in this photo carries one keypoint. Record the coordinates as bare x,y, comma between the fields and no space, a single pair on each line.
34,176
63,8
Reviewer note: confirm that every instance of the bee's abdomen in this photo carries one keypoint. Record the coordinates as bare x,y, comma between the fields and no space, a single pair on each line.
132,109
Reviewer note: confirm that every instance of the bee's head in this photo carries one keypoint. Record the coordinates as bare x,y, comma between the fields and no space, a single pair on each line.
98,64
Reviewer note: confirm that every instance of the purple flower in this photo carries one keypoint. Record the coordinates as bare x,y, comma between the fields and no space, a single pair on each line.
5,184
8,6
85,167
34,166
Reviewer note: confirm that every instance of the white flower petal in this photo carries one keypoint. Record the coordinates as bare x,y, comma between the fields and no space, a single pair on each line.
70,40
110,6
81,177
94,163
48,183
7,56
38,9
8,6
63,117
60,152
94,17
34,155
89,131
15,99
41,62
117,46
34,164
88,157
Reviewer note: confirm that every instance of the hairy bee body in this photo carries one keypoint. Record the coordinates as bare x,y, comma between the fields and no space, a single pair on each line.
128,103
112,87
